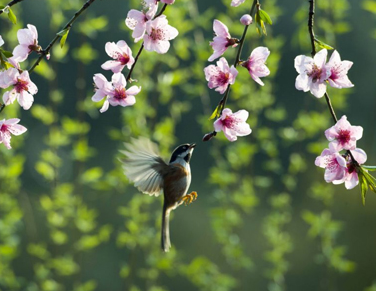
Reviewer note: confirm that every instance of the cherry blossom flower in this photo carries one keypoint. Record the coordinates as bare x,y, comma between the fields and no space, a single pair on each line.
233,124
338,72
23,88
334,164
351,178
28,39
343,135
312,73
246,19
221,41
136,21
256,64
220,76
158,35
236,3
122,55
1,41
8,127
116,92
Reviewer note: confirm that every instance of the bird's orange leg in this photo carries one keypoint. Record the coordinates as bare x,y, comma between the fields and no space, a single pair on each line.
189,198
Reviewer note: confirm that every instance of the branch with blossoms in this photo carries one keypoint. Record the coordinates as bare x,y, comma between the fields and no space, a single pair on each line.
342,160
222,76
154,30
11,74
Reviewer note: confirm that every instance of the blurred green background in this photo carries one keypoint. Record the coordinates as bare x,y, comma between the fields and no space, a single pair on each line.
264,220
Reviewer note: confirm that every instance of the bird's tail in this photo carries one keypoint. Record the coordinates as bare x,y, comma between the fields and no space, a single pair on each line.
165,237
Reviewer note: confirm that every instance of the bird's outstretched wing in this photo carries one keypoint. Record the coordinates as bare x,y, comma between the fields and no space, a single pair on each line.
143,165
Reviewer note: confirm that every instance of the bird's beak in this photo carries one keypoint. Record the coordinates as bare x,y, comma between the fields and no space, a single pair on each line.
192,146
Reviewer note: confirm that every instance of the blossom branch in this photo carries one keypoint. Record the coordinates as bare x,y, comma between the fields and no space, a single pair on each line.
45,52
222,103
66,27
10,4
142,47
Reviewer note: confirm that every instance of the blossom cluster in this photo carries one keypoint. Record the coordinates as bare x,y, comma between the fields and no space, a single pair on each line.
17,81
221,76
315,73
155,33
342,167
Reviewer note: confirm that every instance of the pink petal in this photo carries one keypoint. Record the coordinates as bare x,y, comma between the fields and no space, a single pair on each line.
105,106
114,66
134,90
220,29
25,99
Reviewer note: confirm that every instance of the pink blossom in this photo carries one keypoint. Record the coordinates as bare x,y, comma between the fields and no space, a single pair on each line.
28,39
116,92
136,21
233,124
23,88
343,135
351,178
312,73
333,163
221,41
256,64
338,72
1,41
220,76
8,127
122,55
236,3
158,35
168,1
246,19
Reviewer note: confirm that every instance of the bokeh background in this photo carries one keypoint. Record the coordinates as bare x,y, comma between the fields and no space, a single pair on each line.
264,220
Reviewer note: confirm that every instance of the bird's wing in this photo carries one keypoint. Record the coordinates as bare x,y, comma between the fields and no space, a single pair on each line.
143,165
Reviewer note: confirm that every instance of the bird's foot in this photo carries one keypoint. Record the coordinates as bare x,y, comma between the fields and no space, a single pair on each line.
189,198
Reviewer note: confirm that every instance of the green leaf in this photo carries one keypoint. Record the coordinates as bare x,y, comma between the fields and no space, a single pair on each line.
12,17
323,44
369,168
260,26
265,17
215,113
7,54
363,187
64,34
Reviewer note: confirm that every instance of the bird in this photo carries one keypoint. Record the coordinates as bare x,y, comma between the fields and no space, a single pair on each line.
151,174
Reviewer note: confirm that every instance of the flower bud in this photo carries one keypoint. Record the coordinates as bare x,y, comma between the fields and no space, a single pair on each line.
246,19
168,1
209,136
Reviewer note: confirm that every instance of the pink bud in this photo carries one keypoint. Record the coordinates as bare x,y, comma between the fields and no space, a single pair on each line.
48,56
168,1
246,19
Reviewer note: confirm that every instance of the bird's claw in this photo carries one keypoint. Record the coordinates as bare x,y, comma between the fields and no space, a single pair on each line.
189,198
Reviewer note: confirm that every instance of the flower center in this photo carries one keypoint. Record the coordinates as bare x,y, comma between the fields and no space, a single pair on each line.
222,78
120,93
315,74
3,128
21,85
123,58
229,122
344,136
157,34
